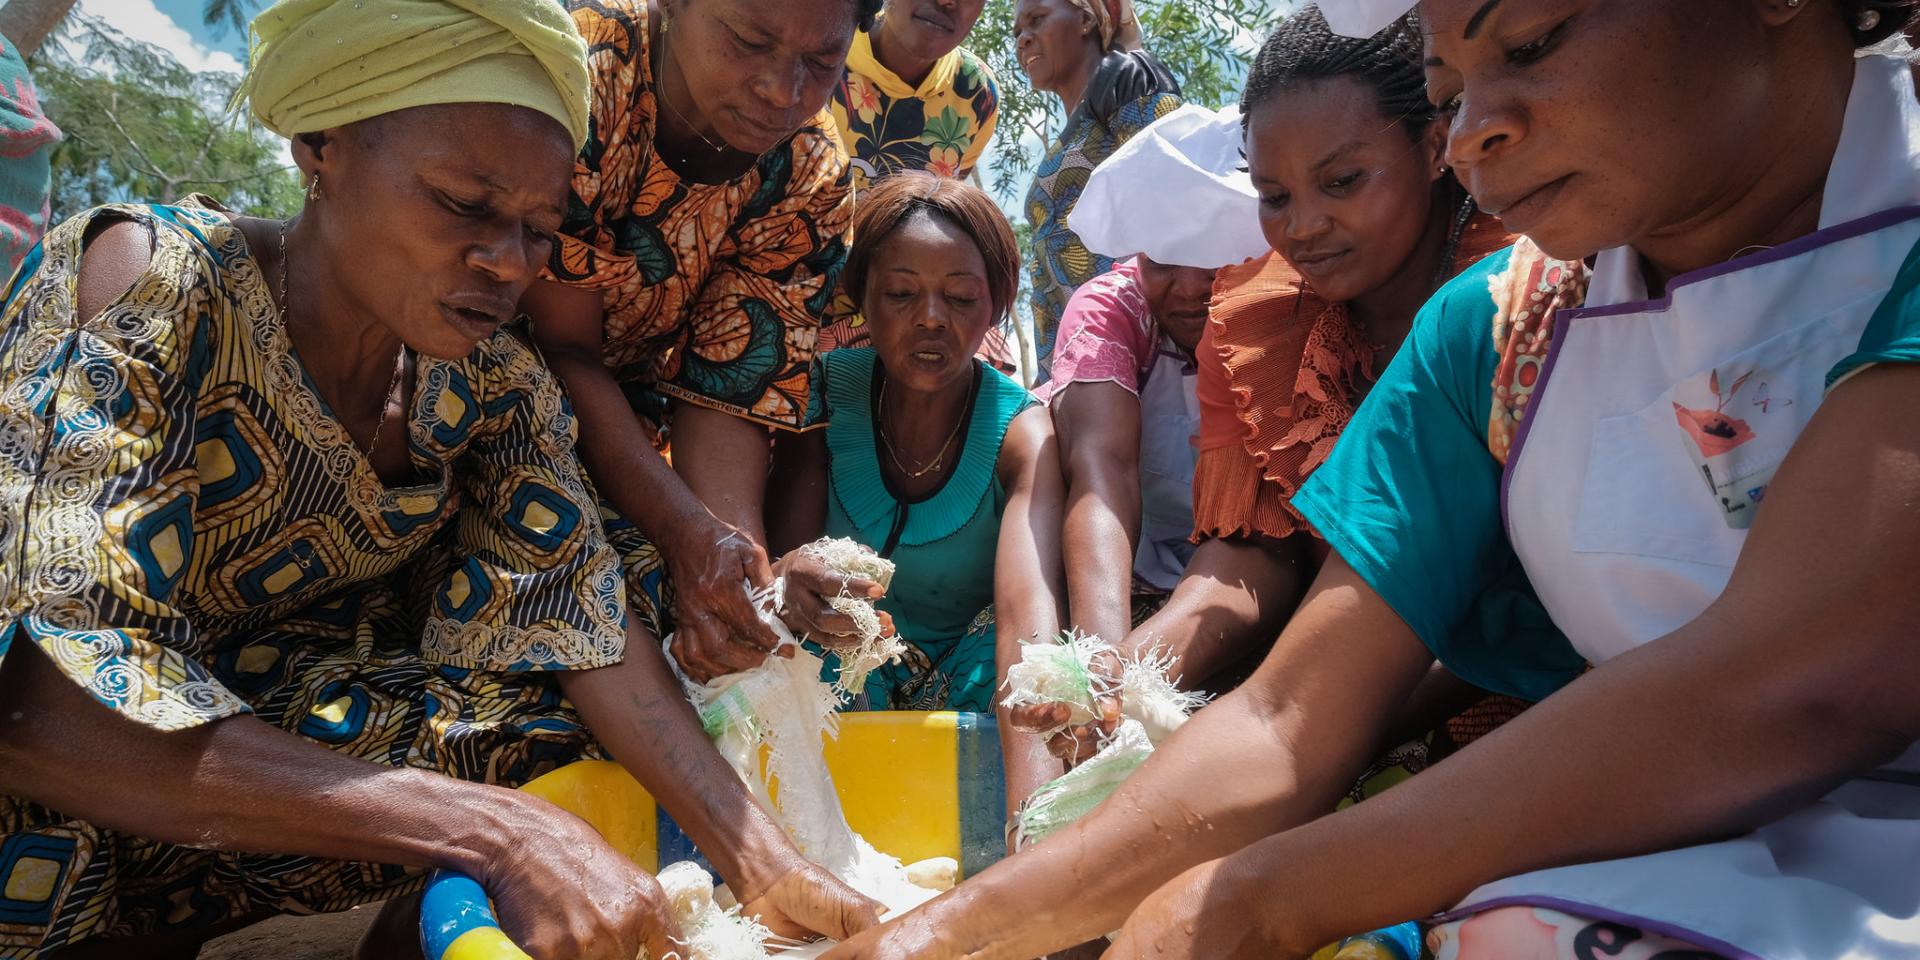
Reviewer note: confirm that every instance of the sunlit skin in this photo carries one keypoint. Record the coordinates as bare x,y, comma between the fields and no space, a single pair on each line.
1589,124
427,224
1099,424
927,303
742,76
928,306
1177,298
1360,208
424,234
913,34
1058,45
748,73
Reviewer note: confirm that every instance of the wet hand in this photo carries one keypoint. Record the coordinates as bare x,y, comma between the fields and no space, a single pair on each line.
911,937
716,629
562,894
807,903
810,584
1076,743
1194,917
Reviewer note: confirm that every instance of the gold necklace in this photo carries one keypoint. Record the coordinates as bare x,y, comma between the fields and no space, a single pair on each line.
399,359
938,458
661,95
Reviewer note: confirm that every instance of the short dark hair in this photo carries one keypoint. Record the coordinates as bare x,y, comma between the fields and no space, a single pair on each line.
895,199
1303,49
864,12
1895,15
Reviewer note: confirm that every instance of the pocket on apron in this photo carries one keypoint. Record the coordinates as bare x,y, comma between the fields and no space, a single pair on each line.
1706,450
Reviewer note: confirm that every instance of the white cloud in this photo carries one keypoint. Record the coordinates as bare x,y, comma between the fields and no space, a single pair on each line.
142,20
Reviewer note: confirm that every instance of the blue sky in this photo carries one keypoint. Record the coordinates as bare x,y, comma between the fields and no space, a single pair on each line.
186,13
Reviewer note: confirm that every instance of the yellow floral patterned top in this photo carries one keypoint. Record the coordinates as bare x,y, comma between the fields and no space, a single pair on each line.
943,126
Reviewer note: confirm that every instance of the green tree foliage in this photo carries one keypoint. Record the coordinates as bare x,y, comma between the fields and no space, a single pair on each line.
139,126
1206,43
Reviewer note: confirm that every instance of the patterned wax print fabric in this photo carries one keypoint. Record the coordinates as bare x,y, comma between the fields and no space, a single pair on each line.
714,293
27,139
1410,498
1129,90
941,126
1107,335
188,534
942,545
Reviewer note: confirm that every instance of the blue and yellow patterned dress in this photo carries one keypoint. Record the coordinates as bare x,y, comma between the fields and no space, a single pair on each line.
1129,91
188,534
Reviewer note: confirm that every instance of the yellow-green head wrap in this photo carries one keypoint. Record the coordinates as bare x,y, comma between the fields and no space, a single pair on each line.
327,63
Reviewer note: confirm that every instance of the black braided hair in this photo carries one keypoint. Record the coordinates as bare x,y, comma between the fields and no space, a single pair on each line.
1894,17
864,13
1303,49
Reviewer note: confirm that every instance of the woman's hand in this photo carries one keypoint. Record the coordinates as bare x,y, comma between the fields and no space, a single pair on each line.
1199,915
915,936
562,893
810,584
717,631
806,902
1074,744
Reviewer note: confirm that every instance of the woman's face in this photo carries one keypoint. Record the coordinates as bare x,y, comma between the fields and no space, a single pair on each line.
927,302
437,218
1054,40
758,69
1178,298
1588,124
1345,194
929,29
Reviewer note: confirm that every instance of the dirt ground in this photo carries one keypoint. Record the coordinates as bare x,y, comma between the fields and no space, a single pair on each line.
326,937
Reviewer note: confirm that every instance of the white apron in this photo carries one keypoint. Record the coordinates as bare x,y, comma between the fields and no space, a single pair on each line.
1656,429
1169,415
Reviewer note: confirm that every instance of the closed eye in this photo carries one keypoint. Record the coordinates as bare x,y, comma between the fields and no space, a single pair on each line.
465,208
1534,50
749,45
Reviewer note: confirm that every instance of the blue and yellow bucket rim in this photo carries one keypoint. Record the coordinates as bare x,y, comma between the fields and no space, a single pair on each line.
915,784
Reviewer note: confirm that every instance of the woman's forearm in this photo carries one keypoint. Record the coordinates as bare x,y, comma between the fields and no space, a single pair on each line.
1576,779
724,461
618,449
1232,600
1099,429
1277,752
1097,540
235,784
639,713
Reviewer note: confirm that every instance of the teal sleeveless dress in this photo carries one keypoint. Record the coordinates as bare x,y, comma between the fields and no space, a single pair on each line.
942,544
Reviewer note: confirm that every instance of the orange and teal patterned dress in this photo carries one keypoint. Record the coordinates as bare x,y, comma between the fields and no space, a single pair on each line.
714,292
1129,91
188,534
942,126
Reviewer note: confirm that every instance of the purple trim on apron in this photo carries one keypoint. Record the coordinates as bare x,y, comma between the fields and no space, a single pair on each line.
1563,320
1603,915
1560,320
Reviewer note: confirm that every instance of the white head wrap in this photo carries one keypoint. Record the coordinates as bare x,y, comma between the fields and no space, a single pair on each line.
1363,18
1177,192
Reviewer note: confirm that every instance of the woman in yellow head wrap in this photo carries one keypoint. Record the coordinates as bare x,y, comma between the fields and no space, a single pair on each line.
297,565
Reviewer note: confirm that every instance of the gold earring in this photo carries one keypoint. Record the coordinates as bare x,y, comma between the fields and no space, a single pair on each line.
313,189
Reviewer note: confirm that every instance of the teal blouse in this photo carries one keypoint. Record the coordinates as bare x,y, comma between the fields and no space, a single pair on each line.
942,545
1411,497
